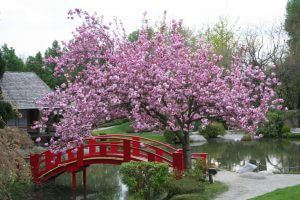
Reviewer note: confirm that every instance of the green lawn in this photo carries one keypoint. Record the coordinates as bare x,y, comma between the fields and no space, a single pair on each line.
210,192
125,127
289,193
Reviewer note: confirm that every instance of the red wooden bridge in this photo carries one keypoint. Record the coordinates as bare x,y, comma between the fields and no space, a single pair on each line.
105,149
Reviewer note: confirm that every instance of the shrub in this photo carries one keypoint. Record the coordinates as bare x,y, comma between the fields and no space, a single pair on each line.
198,170
6,112
246,138
213,130
185,185
275,127
170,137
286,129
145,179
15,173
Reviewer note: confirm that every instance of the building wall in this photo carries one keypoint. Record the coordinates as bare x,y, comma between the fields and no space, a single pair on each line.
20,122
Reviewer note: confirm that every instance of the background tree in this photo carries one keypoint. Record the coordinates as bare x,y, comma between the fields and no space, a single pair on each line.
2,65
12,61
133,36
43,69
292,25
224,39
291,79
6,112
265,46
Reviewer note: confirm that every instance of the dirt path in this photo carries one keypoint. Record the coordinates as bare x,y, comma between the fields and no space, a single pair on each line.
241,188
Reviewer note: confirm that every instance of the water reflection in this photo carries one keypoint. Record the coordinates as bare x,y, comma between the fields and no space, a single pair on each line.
103,183
273,155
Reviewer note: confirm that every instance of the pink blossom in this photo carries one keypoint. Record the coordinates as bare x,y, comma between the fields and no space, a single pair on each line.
38,139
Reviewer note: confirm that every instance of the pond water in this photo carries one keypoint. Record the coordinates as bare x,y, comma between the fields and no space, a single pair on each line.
104,181
272,155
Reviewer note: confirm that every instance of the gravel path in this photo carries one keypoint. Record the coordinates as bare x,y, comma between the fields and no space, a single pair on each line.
241,188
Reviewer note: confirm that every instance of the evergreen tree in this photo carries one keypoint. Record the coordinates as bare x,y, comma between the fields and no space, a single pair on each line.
43,70
12,61
2,65
292,25
291,80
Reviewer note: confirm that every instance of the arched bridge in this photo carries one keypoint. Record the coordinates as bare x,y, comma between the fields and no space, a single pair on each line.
105,149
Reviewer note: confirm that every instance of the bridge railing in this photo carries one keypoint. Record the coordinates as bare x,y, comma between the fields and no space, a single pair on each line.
123,148
126,148
136,144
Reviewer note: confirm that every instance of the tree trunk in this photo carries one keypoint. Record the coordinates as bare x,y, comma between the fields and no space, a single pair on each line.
187,157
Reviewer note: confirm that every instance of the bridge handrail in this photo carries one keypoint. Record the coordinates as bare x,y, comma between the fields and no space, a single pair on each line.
147,144
43,154
131,136
143,150
85,156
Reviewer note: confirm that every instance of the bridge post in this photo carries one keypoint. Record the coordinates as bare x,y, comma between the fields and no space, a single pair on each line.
159,152
58,158
34,166
178,163
92,148
70,154
80,154
136,144
203,156
74,185
151,157
49,157
103,150
126,150
84,183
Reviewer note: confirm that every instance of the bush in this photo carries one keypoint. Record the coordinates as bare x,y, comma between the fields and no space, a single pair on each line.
15,173
198,171
6,112
170,137
185,185
246,138
286,129
145,179
213,130
275,127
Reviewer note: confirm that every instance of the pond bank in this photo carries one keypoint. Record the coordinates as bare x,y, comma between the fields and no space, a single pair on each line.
241,188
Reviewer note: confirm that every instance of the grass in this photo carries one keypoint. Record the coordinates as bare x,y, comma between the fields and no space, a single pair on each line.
293,136
289,193
210,192
114,122
118,129
125,128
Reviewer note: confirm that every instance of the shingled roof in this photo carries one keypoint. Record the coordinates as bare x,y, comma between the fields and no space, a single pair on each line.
23,89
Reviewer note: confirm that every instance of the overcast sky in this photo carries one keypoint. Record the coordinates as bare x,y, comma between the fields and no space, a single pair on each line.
31,25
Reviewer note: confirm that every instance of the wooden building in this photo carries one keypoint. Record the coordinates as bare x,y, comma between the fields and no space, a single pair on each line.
23,90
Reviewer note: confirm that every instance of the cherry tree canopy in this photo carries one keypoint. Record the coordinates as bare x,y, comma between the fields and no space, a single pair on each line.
158,82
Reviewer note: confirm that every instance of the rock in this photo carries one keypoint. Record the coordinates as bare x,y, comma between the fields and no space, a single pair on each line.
247,168
197,138
196,144
295,130
232,136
